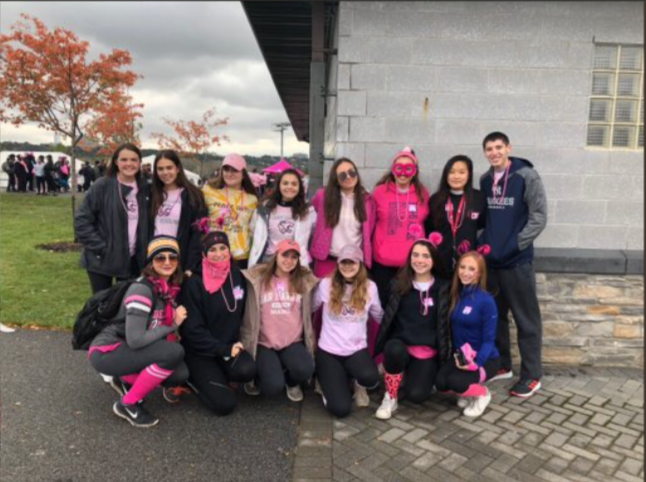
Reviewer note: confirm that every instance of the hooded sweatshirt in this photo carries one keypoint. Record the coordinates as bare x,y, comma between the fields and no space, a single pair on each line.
400,222
516,217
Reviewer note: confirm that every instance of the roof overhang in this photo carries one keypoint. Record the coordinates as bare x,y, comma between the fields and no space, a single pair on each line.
283,31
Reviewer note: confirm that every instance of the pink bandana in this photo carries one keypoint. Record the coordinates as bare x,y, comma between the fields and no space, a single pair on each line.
214,274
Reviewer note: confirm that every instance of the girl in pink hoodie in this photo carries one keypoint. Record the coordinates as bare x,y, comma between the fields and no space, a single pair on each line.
401,207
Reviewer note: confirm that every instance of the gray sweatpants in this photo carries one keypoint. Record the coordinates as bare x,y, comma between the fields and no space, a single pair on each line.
515,289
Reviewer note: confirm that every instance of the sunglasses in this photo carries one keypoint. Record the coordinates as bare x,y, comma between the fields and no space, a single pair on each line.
161,258
406,170
229,169
345,175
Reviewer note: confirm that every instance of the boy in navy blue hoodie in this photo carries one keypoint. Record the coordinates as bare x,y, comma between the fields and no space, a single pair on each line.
516,215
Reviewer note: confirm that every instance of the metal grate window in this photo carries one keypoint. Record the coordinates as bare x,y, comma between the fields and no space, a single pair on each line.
616,116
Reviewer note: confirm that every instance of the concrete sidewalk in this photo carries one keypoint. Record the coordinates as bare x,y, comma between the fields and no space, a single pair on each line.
583,425
58,425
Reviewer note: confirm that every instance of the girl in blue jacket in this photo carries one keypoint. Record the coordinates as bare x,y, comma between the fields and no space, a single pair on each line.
473,317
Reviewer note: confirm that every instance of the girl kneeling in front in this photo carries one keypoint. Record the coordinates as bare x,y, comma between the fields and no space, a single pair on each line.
211,334
348,297
413,333
143,352
277,325
473,318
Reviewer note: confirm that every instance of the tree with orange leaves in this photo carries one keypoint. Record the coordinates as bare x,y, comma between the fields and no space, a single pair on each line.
46,79
116,122
193,138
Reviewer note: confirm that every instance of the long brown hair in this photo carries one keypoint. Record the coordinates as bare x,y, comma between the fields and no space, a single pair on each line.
247,185
296,276
359,296
113,169
300,207
159,195
406,275
332,203
457,284
176,278
422,192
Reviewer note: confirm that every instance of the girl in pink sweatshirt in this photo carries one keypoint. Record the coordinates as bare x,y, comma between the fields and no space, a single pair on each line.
401,208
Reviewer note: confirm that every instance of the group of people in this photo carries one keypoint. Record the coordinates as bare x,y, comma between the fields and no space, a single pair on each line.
44,176
346,290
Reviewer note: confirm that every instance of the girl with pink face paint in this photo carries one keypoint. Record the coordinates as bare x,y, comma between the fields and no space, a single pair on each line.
401,209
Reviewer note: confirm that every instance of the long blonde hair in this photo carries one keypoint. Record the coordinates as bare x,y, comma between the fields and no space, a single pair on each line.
482,282
359,297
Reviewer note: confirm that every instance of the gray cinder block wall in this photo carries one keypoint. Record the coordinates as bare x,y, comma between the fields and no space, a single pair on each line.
441,75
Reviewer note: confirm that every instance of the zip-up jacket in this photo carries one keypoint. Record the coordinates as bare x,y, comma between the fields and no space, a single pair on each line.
514,221
473,321
473,219
210,329
440,293
302,233
101,225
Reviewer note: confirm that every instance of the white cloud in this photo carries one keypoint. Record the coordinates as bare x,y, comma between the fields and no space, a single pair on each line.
193,56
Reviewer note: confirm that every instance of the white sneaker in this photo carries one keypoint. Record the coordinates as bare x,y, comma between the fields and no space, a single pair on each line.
388,406
464,402
361,398
106,378
251,389
6,329
295,394
477,407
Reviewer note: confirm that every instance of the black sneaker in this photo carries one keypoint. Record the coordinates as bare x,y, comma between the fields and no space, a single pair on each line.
525,388
135,414
174,394
119,386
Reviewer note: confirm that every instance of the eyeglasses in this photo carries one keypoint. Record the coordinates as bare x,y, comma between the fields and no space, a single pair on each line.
345,175
171,258
407,170
229,169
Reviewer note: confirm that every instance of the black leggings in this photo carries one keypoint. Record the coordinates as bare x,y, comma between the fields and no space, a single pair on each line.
451,378
382,276
100,282
276,368
419,375
210,377
334,372
126,361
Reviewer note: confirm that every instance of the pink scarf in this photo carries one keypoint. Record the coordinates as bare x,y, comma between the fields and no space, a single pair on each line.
214,274
167,292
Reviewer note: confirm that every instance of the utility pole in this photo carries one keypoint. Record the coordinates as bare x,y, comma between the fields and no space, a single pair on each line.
281,127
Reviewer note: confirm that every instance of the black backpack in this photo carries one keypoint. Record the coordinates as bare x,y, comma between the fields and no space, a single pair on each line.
100,311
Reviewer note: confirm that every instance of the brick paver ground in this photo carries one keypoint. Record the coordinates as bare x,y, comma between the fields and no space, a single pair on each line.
583,425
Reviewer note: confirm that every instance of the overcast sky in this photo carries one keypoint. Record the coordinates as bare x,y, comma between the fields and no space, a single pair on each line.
193,55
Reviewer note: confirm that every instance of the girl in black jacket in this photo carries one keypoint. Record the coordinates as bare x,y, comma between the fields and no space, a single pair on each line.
457,211
175,206
112,222
211,335
413,334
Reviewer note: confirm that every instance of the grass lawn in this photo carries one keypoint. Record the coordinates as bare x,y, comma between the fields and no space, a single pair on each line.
38,287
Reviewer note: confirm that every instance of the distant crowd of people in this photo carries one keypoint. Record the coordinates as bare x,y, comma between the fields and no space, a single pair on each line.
45,176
